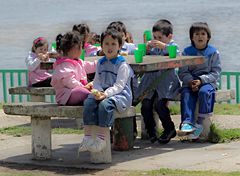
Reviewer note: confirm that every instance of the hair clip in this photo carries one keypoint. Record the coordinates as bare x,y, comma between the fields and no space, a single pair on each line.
38,40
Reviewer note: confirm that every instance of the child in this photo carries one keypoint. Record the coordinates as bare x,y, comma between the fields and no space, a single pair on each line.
127,48
94,39
199,81
166,89
36,76
84,31
70,77
112,82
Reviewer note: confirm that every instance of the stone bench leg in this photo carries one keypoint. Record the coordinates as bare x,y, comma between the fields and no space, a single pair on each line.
123,136
41,138
104,156
37,98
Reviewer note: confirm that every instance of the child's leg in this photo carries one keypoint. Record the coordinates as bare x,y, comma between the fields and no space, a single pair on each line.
44,83
147,113
164,114
188,106
87,139
206,97
78,95
105,121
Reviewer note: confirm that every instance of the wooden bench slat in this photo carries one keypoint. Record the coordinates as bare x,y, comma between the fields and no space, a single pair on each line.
53,110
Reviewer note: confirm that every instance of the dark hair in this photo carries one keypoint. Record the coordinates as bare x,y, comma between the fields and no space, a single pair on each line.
119,26
38,42
83,30
163,26
58,42
114,34
95,37
68,41
197,27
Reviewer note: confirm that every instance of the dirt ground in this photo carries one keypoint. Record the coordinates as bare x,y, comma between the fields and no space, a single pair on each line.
12,170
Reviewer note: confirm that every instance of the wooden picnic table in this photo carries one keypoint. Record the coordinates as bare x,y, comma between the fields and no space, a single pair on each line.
150,62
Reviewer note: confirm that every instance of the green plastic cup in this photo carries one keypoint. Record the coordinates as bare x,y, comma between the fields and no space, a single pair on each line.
82,54
148,35
97,44
172,51
138,54
54,46
143,47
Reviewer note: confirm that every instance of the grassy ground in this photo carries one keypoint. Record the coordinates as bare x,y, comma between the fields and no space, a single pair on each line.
28,171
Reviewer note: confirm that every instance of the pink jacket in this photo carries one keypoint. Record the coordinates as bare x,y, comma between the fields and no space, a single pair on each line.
68,74
90,49
35,74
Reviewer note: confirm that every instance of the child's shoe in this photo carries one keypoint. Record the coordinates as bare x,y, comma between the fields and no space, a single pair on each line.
187,128
197,132
98,145
84,146
167,136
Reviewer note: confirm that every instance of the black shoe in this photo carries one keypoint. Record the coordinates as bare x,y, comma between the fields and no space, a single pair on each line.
153,139
166,137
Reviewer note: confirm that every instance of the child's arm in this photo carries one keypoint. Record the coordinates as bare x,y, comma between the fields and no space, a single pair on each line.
215,70
90,67
32,62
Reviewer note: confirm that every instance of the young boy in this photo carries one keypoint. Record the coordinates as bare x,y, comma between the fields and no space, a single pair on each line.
199,81
167,87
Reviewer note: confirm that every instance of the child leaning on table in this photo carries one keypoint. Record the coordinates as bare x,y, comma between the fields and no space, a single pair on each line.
199,81
112,92
70,73
84,31
38,77
166,89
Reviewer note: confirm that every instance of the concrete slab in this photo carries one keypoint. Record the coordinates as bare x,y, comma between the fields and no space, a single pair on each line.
175,155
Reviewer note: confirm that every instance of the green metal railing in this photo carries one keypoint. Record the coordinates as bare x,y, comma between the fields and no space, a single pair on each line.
231,81
14,78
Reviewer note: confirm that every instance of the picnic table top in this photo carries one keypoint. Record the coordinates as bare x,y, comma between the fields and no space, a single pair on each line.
150,62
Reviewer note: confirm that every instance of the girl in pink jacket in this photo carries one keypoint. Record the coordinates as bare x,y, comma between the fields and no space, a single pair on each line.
38,77
70,73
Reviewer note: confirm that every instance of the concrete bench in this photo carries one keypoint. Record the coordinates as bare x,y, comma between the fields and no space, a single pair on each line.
41,113
37,94
221,96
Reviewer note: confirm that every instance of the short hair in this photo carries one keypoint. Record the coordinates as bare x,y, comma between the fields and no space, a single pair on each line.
68,41
82,29
197,27
114,34
119,26
163,26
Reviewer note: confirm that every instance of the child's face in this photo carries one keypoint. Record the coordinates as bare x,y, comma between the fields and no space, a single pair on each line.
157,35
200,39
42,49
110,47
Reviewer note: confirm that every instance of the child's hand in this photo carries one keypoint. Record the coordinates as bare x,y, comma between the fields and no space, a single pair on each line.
98,95
43,57
195,85
157,44
89,86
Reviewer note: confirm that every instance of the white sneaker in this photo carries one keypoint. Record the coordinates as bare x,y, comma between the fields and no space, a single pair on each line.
84,146
98,145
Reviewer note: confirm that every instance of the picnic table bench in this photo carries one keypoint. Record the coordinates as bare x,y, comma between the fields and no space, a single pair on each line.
41,114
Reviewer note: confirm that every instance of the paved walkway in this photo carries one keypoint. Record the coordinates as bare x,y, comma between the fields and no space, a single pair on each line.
144,156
